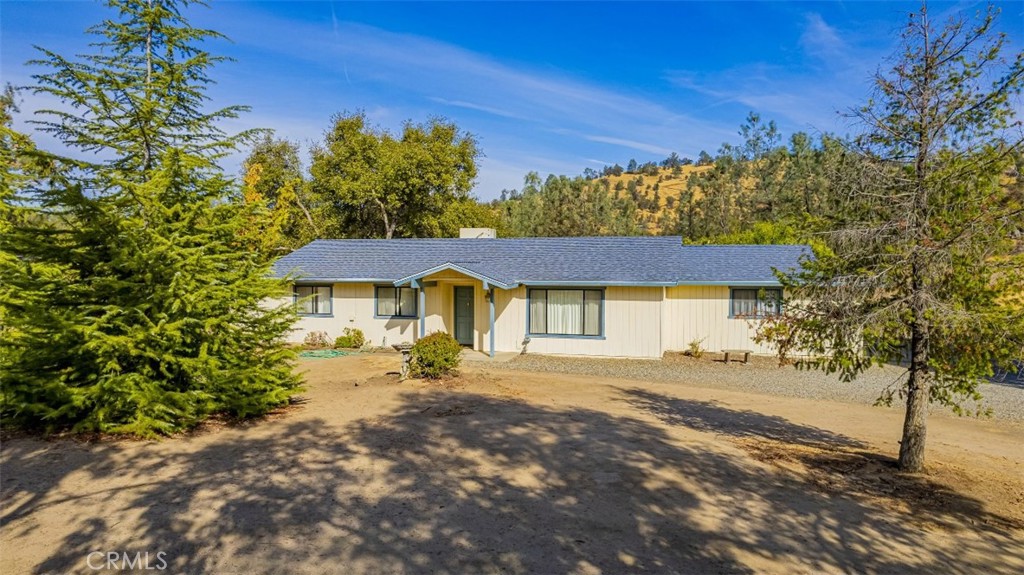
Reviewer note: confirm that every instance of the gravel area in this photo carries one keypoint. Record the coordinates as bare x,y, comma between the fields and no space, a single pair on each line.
764,375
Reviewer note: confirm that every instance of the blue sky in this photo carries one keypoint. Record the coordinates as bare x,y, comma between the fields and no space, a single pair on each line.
544,86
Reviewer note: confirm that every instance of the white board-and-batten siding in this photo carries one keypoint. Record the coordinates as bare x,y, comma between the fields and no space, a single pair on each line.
639,322
353,305
632,325
702,312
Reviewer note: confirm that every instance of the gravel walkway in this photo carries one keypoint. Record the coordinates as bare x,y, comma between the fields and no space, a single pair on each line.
762,375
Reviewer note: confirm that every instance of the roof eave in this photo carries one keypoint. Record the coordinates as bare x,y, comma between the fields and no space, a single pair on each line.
595,283
337,280
741,283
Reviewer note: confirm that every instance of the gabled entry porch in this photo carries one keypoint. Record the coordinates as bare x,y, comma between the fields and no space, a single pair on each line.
457,301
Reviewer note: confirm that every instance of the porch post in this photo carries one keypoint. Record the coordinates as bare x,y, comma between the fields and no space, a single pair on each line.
491,332
422,306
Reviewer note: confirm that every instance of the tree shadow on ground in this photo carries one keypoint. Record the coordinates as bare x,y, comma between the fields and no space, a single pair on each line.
456,482
34,467
711,417
1014,378
834,461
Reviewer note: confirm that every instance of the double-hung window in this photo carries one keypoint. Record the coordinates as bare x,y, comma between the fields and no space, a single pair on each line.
395,301
755,302
566,312
313,300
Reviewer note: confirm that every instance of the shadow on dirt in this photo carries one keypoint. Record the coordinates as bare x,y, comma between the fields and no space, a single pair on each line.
833,463
454,482
710,417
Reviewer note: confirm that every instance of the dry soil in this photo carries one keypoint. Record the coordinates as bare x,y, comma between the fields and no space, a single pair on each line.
519,472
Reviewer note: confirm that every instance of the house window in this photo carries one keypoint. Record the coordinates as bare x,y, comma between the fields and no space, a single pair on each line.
313,300
566,311
395,301
755,302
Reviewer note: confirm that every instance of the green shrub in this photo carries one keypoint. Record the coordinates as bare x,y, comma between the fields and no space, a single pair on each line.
435,355
351,338
316,339
695,349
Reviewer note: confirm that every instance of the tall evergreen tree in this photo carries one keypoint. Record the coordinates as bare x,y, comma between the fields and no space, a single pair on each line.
762,162
925,258
131,306
563,206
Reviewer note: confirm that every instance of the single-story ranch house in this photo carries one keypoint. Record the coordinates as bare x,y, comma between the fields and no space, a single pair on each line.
597,296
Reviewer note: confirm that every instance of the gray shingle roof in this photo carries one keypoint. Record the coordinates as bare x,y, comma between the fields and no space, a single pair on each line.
510,261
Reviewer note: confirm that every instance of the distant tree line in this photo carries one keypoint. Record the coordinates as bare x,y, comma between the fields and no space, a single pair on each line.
759,181
364,182
564,206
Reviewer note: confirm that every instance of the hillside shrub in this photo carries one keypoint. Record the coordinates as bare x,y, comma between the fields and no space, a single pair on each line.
435,355
351,338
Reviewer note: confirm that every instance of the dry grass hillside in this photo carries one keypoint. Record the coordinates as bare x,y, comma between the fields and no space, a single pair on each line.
656,195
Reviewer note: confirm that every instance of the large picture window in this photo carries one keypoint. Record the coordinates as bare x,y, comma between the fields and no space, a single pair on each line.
566,311
396,301
755,302
313,300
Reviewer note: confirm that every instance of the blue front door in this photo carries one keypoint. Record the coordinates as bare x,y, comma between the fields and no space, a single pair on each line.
464,314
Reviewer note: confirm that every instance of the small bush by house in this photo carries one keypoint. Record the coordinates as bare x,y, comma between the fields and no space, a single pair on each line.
351,338
695,349
436,355
316,340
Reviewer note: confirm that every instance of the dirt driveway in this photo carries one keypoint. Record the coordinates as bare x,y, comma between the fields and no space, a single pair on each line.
513,472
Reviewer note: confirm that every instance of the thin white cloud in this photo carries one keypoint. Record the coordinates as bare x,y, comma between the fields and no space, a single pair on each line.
632,144
443,73
557,118
807,95
526,117
821,40
477,107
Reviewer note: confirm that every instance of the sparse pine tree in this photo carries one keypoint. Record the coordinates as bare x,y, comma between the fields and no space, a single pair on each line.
925,260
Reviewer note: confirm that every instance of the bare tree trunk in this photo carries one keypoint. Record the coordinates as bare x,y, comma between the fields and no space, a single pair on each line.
309,217
389,228
911,457
918,389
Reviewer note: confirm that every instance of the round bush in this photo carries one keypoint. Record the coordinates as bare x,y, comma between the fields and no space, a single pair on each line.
351,338
436,355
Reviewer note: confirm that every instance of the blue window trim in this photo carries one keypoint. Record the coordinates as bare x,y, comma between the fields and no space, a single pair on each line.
564,336
732,297
295,299
416,299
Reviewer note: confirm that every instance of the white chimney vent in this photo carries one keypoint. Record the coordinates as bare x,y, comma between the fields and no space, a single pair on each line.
477,233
